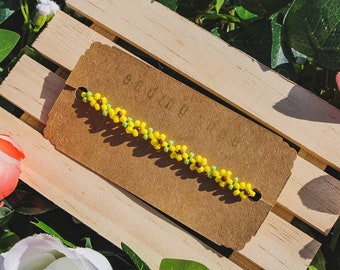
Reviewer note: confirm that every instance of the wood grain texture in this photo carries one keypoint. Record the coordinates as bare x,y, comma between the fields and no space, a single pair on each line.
72,41
314,190
288,249
112,212
291,199
286,108
32,87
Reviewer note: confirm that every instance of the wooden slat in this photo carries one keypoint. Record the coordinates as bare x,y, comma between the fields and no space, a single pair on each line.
278,245
195,53
60,172
77,41
21,88
110,211
65,24
316,192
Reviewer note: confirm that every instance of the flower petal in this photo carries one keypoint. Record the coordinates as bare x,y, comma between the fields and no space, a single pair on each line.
28,247
62,263
10,147
37,261
9,174
81,258
337,79
98,261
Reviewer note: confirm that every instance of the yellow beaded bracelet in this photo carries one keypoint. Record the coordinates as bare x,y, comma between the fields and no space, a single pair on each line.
159,141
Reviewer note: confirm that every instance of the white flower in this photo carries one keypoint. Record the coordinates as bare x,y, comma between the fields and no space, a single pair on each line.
47,7
54,7
42,251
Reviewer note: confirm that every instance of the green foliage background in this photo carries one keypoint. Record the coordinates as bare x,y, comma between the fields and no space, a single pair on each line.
299,39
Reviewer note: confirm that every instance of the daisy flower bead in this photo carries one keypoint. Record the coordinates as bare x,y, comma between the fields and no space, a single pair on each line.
198,163
179,152
158,140
117,115
136,127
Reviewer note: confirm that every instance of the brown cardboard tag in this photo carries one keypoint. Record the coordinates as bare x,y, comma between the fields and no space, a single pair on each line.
208,128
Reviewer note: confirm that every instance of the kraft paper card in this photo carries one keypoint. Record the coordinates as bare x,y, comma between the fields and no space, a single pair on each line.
227,139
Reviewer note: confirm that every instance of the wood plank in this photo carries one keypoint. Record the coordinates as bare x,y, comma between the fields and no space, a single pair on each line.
310,158
316,192
112,212
72,43
32,87
286,108
294,195
46,167
279,245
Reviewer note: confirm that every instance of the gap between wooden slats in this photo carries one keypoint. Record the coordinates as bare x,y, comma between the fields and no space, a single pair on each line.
294,202
59,160
110,211
195,53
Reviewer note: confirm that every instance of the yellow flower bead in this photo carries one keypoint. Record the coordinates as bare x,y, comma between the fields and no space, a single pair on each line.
103,107
229,181
222,184
179,152
243,195
96,96
236,192
251,193
198,163
236,185
158,140
93,102
104,100
96,106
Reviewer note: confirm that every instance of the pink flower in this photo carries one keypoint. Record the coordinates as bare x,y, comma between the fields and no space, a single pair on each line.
10,155
337,79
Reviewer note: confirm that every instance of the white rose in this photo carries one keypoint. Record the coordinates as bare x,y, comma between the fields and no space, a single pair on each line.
42,251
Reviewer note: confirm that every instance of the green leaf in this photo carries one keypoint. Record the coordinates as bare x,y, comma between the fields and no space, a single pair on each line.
318,262
219,4
176,264
262,7
277,55
254,39
29,202
47,229
8,40
335,240
244,14
5,214
139,263
88,243
313,28
7,240
7,8
214,16
172,4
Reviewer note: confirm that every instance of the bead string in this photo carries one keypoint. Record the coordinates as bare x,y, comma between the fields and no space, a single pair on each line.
159,141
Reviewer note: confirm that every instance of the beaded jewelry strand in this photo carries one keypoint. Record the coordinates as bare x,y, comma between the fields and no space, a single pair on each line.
159,141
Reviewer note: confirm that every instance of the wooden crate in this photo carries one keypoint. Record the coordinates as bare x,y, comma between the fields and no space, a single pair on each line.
311,194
